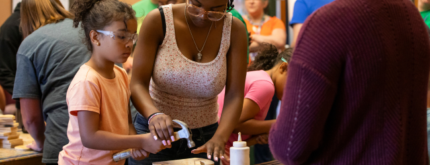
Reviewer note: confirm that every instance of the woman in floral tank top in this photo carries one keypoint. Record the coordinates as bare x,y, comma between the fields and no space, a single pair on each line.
185,55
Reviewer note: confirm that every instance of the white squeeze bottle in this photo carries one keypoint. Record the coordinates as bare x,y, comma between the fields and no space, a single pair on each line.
239,153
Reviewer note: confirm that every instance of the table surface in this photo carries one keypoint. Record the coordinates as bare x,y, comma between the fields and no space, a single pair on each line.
274,162
7,155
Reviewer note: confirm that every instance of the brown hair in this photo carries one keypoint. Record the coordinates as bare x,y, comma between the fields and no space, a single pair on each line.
38,13
96,14
269,57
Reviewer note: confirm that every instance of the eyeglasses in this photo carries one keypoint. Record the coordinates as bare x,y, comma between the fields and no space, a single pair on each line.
123,37
200,12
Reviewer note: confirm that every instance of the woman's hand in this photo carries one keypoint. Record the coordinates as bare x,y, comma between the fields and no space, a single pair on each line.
161,128
139,154
35,147
215,147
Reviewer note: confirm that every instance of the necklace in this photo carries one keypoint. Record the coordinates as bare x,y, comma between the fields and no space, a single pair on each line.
256,27
199,55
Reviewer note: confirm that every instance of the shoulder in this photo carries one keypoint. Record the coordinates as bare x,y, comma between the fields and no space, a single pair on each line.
237,27
258,76
85,76
275,19
121,72
153,20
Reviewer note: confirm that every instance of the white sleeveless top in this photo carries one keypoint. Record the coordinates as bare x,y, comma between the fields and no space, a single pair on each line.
184,89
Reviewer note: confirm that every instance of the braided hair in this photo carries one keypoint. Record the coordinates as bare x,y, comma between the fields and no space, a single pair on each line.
97,14
269,57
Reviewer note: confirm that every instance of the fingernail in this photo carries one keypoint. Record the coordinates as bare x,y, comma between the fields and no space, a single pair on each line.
155,138
222,157
209,156
164,142
216,158
173,138
168,142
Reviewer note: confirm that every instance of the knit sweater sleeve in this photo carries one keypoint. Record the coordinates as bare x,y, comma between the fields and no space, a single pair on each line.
310,91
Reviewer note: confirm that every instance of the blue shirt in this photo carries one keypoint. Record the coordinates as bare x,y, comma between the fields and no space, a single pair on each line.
304,8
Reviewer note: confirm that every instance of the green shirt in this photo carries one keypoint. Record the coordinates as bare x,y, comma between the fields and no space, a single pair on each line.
238,16
426,17
142,8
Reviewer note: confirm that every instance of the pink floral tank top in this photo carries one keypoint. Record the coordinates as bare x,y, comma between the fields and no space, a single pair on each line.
184,89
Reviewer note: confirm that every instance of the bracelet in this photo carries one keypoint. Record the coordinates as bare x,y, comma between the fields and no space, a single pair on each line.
153,115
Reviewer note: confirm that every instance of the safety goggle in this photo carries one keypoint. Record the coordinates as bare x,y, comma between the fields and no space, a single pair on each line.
123,37
200,12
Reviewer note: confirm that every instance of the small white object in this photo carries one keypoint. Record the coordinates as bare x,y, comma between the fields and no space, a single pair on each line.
239,153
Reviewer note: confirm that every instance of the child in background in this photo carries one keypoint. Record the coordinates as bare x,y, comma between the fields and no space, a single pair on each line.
98,97
266,76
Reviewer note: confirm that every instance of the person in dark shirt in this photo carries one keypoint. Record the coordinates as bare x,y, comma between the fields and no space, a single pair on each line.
10,39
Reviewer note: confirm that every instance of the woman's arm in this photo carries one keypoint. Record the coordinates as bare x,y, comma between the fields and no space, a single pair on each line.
236,72
150,37
33,120
278,38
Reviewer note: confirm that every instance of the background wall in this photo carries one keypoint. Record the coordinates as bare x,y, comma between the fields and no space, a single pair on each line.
5,10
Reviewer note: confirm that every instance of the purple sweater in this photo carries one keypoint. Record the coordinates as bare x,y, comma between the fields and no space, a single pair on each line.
356,89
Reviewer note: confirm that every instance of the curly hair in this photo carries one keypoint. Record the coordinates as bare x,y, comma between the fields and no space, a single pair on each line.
97,14
269,57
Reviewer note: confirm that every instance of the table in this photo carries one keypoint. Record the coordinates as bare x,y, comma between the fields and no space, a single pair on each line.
18,157
273,162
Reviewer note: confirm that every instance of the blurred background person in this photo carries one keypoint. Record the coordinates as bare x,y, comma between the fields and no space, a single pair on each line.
302,10
263,28
10,39
47,60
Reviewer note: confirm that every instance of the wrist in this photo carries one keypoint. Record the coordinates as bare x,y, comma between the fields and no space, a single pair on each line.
39,144
153,115
142,139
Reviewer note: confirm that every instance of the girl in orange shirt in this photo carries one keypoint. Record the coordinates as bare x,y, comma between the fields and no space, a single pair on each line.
98,96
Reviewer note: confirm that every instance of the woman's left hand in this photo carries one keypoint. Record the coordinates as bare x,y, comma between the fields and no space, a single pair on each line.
215,147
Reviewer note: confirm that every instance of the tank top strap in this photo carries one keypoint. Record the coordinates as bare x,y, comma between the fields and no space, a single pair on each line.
170,29
226,32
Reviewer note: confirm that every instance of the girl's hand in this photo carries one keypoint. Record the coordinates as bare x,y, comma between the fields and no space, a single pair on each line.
263,139
150,145
161,128
139,154
214,146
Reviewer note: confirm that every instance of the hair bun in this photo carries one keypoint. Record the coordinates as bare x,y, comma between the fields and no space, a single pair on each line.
81,8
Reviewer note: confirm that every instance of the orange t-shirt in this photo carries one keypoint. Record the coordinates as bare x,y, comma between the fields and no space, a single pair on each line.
89,91
266,29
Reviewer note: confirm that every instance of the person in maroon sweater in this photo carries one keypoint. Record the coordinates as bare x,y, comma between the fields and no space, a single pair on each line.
356,91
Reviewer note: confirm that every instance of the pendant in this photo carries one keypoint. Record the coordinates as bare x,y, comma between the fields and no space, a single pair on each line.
199,56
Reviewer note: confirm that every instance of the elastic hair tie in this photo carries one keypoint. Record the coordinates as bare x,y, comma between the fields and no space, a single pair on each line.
283,59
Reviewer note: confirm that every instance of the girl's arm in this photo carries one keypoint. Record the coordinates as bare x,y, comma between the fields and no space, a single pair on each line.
94,138
258,96
254,127
236,72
